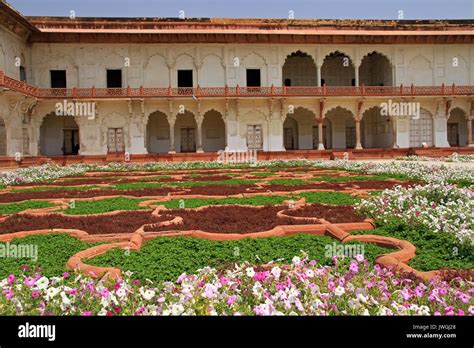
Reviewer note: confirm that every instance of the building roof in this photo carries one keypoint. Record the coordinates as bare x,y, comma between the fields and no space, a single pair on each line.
239,30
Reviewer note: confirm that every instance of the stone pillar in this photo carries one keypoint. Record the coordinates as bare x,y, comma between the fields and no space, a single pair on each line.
356,70
318,74
470,142
358,144
320,125
357,119
171,122
199,135
320,134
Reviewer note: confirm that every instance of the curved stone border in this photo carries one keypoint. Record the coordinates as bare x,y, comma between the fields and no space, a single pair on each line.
396,260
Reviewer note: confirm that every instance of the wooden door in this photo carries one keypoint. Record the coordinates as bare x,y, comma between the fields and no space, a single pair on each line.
188,140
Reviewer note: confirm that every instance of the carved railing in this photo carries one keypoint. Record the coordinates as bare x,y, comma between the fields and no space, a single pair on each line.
226,91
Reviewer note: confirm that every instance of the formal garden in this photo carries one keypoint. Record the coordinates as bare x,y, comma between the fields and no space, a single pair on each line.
293,237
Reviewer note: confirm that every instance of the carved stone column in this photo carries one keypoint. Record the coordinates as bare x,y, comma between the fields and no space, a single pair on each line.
320,125
171,121
357,120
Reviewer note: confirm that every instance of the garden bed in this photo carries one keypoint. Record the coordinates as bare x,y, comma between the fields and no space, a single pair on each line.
333,214
228,219
121,222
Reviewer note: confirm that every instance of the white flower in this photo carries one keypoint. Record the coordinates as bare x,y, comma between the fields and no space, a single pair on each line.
147,294
177,309
51,292
339,291
42,283
250,272
296,260
309,273
121,293
276,272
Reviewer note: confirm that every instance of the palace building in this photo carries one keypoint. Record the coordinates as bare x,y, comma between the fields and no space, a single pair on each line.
168,87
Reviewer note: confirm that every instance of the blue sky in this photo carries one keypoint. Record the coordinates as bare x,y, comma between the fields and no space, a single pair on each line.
376,9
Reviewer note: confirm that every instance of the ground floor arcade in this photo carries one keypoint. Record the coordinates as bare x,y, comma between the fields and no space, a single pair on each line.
33,128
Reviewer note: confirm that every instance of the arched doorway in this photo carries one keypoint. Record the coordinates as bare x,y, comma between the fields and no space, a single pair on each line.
3,138
376,130
421,130
375,70
158,133
299,70
59,136
342,128
290,133
213,132
185,132
457,128
337,70
297,129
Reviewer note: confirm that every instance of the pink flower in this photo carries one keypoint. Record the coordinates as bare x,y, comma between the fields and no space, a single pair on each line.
11,279
224,280
8,294
181,278
231,300
86,314
30,281
35,294
140,310
354,267
259,276
65,275
104,292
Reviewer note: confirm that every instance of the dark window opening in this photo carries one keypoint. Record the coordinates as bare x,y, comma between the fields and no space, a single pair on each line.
185,78
114,78
323,82
353,82
58,78
288,82
253,78
22,74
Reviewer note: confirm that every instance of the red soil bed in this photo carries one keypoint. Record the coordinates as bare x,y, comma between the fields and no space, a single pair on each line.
334,214
207,178
124,222
11,197
228,219
222,190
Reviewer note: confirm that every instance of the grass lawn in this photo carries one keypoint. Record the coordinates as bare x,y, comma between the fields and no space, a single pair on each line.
104,205
433,250
13,208
53,251
166,258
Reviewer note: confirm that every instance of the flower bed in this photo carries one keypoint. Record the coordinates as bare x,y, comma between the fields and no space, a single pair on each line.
300,288
450,158
410,170
442,208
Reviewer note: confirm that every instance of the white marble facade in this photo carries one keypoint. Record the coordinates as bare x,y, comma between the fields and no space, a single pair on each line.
163,125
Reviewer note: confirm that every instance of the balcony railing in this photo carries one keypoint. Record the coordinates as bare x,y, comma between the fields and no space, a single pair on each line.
198,92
